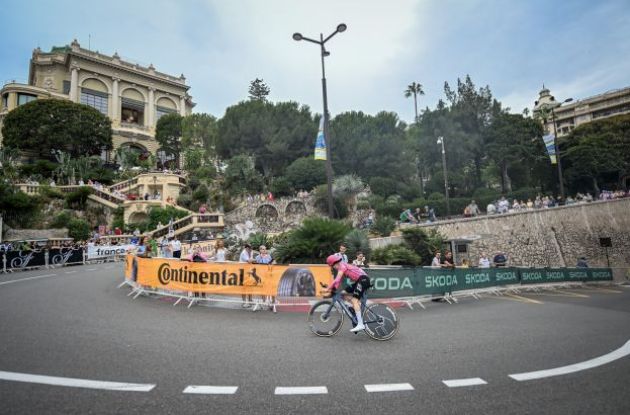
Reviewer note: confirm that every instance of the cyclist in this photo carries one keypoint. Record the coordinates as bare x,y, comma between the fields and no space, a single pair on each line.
360,283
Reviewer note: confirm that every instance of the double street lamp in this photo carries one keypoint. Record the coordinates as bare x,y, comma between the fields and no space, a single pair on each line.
321,42
440,140
557,148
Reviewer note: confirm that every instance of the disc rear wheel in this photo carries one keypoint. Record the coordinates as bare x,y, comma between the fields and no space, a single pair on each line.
381,322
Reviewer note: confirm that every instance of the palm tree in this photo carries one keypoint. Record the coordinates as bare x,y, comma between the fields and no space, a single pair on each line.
414,89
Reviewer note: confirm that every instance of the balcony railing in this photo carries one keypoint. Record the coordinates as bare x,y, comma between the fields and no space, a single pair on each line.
134,125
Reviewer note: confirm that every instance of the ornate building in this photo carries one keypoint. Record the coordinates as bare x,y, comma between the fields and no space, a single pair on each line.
132,96
572,114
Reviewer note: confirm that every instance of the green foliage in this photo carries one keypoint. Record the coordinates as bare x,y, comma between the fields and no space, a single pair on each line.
258,90
200,131
259,238
163,215
44,125
43,168
201,194
185,200
280,186
424,244
78,229
347,185
305,173
48,192
78,198
395,255
275,134
320,197
168,133
384,225
312,242
357,240
119,218
207,172
17,208
241,176
193,158
61,220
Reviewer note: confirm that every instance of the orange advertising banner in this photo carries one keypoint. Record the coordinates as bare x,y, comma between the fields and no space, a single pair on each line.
228,278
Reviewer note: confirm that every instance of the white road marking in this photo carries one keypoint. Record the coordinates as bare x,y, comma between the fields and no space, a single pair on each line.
91,269
565,370
28,278
301,390
76,383
211,390
70,272
456,383
389,387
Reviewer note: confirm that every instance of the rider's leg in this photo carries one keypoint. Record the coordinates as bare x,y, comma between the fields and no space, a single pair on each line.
357,308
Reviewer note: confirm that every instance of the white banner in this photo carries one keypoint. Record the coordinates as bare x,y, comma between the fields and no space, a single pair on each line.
105,251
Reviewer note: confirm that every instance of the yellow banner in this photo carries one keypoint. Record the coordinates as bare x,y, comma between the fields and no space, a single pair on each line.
207,247
228,277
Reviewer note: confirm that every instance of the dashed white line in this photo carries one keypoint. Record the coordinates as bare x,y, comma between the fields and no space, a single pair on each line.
301,390
76,383
91,269
70,272
28,278
564,370
456,383
389,387
211,390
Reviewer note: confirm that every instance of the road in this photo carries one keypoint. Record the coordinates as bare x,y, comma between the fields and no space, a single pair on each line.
73,323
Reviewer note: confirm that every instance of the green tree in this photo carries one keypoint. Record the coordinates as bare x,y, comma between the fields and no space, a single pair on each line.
276,134
424,244
241,176
258,90
312,242
47,125
395,255
306,173
200,130
78,229
414,89
168,133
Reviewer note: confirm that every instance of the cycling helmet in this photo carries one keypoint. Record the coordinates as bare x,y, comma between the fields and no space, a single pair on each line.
333,259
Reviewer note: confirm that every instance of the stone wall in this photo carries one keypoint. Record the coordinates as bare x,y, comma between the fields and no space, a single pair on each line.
272,216
549,237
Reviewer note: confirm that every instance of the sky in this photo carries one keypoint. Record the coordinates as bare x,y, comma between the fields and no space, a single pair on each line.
577,48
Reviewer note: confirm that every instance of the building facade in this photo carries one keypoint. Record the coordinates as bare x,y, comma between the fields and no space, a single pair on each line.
132,96
575,113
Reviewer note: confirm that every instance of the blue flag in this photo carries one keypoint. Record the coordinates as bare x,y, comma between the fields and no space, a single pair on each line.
320,142
550,140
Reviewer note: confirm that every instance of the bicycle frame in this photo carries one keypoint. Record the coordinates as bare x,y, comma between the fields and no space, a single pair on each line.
337,298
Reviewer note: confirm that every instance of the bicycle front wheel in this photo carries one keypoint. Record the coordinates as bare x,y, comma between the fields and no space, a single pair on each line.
325,319
381,322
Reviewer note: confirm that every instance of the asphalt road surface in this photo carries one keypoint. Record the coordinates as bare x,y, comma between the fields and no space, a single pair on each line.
70,326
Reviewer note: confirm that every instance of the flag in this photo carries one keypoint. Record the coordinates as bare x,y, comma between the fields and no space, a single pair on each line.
550,140
320,142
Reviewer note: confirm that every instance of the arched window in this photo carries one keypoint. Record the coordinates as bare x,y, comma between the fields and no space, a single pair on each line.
94,93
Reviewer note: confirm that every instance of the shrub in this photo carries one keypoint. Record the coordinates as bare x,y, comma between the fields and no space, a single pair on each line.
78,229
259,238
206,172
50,192
357,240
280,186
313,241
424,244
185,200
395,255
61,220
384,225
306,173
383,186
17,208
163,215
202,194
77,198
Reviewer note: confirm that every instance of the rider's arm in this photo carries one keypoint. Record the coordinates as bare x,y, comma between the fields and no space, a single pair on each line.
337,280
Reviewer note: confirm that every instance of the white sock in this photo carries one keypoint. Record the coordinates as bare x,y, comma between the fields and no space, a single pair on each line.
359,319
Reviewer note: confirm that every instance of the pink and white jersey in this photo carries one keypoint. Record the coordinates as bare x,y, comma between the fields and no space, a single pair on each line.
347,270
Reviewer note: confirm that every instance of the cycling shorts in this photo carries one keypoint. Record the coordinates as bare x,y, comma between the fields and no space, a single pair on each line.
359,287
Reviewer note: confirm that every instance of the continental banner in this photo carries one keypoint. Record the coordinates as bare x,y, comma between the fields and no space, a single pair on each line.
230,278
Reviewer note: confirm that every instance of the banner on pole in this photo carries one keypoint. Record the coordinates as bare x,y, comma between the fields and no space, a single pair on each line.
320,142
550,145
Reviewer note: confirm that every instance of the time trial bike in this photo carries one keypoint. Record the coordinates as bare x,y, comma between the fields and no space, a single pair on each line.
326,317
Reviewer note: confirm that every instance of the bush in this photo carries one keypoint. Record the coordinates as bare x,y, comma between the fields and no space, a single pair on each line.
50,192
202,194
424,244
119,218
383,186
163,215
78,229
44,168
305,173
78,198
384,225
259,238
17,208
312,242
436,196
206,172
280,186
61,220
185,200
395,255
357,240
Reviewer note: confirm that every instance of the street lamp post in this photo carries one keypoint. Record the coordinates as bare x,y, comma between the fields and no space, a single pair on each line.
557,148
448,206
321,42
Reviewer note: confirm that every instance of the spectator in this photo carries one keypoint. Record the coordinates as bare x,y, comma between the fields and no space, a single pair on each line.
219,251
342,253
203,209
176,247
117,231
503,206
265,258
581,263
142,250
166,248
154,247
359,261
465,263
246,257
437,260
473,208
197,255
484,261
491,209
500,260
432,216
447,261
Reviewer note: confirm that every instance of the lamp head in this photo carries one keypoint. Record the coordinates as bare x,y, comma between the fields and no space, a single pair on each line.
341,27
297,36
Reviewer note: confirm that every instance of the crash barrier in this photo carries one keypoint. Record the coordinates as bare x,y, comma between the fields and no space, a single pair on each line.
30,259
191,280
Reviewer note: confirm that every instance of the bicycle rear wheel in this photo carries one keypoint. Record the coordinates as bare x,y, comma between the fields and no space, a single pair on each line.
323,322
381,322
